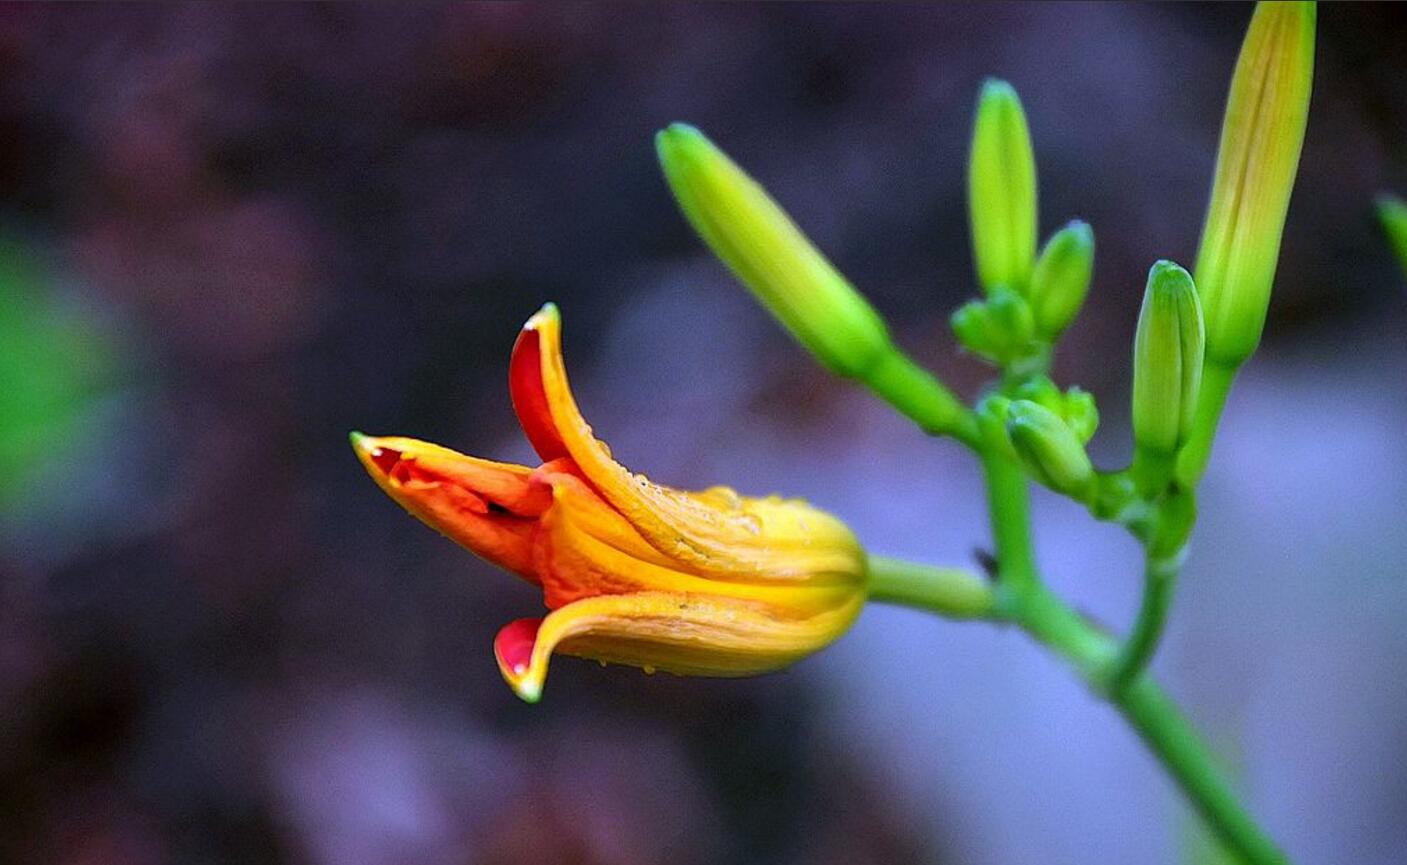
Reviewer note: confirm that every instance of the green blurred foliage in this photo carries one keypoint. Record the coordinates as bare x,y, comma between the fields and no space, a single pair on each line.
1393,212
54,364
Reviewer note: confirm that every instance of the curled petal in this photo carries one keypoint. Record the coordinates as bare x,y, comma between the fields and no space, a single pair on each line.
716,532
491,508
675,633
586,548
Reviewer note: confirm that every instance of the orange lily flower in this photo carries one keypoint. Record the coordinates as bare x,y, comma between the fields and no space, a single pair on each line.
698,583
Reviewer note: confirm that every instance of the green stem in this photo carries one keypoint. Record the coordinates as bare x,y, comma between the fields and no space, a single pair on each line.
920,397
1171,737
951,592
1160,578
1211,399
1008,501
1148,709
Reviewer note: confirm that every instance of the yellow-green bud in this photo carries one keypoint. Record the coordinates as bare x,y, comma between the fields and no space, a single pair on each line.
1081,413
1001,189
1075,406
1001,328
755,238
1060,280
1011,314
1393,212
1167,360
1049,449
1256,163
1040,389
991,421
974,328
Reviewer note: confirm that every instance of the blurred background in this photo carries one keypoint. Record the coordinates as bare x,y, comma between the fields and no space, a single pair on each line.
230,234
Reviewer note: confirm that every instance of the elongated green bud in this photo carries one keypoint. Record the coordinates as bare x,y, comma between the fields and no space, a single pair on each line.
1256,164
1060,280
771,256
1393,212
1001,189
1167,360
1049,449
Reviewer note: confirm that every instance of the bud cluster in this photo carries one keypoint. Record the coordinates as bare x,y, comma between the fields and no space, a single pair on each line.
1029,299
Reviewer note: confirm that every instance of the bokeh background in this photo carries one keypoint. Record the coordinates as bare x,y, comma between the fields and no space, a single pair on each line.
230,234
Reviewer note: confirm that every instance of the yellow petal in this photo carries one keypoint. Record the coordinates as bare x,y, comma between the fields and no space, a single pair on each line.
674,633
1258,157
717,532
589,549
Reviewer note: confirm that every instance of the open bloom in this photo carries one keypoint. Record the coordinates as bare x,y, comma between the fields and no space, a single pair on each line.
702,583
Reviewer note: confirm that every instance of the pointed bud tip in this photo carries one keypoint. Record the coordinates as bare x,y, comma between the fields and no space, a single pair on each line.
1081,230
997,88
1167,275
677,138
547,313
528,691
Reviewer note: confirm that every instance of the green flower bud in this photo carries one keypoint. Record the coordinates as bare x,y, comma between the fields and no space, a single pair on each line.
1393,212
1061,278
1011,315
1001,189
1040,389
1081,413
1167,360
752,235
1000,328
1256,163
1076,406
974,328
1049,449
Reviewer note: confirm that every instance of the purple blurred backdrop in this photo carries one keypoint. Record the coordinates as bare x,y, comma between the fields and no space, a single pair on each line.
230,234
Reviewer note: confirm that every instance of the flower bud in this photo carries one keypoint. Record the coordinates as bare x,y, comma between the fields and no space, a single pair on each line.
992,413
1049,448
1256,163
771,256
1075,406
1001,328
1001,189
1393,212
1167,360
1061,278
1013,318
1081,413
1040,389
973,326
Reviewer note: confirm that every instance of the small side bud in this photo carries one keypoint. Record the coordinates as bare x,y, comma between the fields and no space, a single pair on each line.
1040,389
1259,154
1076,406
992,414
974,328
1393,212
1049,449
1081,413
1167,372
1060,280
1001,189
756,239
1001,328
1012,316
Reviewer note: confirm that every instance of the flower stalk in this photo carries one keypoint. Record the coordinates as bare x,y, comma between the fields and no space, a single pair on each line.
713,583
